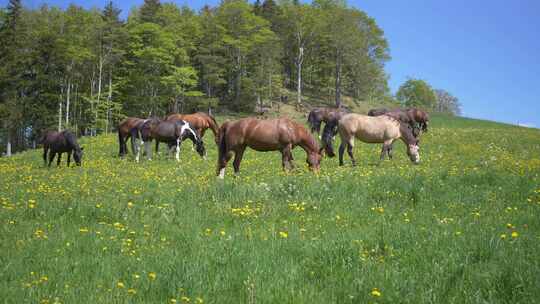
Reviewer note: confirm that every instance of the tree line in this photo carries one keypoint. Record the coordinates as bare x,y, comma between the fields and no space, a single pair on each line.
86,69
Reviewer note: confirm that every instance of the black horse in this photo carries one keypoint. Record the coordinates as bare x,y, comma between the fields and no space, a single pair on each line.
172,133
58,143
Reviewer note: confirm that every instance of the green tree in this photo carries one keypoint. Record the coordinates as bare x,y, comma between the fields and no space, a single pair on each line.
416,93
149,10
447,103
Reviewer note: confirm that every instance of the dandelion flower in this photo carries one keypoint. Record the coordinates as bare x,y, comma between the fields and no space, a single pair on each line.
515,234
283,234
152,275
503,236
132,291
120,285
376,292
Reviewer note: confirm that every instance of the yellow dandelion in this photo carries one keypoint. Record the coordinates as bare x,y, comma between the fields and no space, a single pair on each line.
120,285
185,299
376,292
130,205
132,291
515,234
199,300
173,300
503,236
83,230
283,234
152,275
222,232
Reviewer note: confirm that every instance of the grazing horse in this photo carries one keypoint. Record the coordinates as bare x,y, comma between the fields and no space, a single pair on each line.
124,133
172,133
58,143
318,115
417,119
199,121
379,129
280,134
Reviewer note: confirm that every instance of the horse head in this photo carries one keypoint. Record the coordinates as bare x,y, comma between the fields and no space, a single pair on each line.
77,155
184,130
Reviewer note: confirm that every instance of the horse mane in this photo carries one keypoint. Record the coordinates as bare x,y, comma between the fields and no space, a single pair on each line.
70,139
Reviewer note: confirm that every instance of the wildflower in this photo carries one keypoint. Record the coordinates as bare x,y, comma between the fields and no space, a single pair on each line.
376,292
199,300
503,236
208,231
222,232
509,226
136,276
283,234
120,285
83,230
132,291
515,234
185,299
173,300
130,205
152,275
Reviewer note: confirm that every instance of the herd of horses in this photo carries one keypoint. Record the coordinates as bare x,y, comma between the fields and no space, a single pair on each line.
380,126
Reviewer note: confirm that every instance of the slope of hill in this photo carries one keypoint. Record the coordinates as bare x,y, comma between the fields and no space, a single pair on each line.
461,227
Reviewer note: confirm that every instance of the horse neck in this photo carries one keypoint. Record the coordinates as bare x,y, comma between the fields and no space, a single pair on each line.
213,126
406,135
307,142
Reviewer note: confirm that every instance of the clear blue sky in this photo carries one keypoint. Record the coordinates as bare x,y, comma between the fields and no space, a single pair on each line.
486,53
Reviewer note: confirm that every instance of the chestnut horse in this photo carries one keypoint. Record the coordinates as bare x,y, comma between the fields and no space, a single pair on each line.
280,134
199,121
379,129
125,130
319,115
58,143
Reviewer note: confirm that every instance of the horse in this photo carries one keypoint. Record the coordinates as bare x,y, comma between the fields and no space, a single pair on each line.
199,121
58,143
124,133
173,133
279,134
379,129
318,115
418,119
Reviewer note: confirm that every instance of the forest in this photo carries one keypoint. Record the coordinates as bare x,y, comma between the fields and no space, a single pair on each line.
86,69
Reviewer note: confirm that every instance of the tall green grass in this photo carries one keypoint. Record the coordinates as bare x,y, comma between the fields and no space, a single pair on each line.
461,227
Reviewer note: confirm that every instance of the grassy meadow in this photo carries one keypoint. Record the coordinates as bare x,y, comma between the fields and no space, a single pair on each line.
461,227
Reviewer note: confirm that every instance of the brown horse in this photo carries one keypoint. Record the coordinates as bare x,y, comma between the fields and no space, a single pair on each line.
319,115
417,119
58,143
125,130
199,121
379,129
280,134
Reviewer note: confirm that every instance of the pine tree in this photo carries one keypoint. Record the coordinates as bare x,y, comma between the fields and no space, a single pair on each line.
149,10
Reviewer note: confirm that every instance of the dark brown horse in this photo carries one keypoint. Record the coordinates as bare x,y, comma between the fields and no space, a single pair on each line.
170,132
199,121
125,130
319,115
58,143
280,134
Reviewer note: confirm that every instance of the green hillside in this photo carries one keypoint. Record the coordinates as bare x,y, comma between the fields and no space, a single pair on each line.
461,227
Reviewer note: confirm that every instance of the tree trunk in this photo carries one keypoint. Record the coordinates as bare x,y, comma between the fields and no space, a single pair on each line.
8,144
67,101
109,99
299,61
338,79
99,91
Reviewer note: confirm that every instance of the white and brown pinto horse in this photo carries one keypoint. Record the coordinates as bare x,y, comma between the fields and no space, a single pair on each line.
374,130
280,134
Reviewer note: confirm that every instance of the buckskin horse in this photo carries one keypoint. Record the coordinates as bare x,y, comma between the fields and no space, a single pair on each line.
58,143
280,134
379,129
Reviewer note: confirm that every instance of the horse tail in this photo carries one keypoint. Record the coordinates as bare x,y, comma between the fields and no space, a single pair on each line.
222,143
312,121
329,131
120,142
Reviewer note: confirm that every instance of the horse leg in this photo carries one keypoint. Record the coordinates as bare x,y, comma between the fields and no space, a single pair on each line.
238,159
148,149
177,150
157,147
45,150
51,157
69,158
341,151
350,146
222,163
59,158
